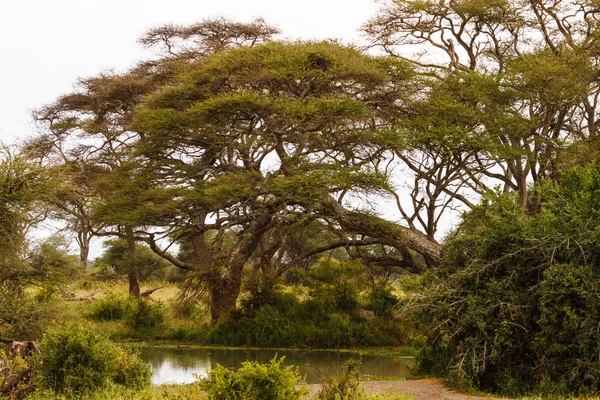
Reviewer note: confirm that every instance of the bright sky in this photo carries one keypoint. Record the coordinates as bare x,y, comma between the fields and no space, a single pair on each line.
46,45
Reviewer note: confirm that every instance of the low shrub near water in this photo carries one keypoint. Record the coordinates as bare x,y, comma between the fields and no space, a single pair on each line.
131,371
333,316
138,314
254,381
145,315
76,361
111,308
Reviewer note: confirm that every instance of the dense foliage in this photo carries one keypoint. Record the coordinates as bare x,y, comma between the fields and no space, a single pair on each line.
45,267
77,361
339,309
254,381
516,305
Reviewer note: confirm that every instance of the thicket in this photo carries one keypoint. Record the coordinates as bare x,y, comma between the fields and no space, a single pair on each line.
76,361
332,315
516,305
268,381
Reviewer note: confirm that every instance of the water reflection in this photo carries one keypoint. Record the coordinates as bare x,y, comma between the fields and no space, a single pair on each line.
180,365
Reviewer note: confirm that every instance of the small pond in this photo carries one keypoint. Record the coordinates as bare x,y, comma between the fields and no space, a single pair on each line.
180,365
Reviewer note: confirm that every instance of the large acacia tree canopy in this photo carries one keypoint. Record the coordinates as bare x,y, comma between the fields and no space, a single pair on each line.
274,126
312,94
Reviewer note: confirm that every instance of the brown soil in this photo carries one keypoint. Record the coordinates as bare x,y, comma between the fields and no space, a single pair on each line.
424,389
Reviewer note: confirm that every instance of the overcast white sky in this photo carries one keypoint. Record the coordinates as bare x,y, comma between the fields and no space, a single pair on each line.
45,45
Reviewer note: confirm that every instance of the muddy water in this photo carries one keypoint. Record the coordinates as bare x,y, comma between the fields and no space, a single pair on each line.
182,365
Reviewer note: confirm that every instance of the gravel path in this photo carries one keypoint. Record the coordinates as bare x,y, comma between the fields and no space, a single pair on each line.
424,389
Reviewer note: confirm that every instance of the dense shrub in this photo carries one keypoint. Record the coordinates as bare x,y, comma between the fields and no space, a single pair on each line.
382,302
145,315
338,284
131,371
139,314
76,360
254,381
289,322
111,308
516,305
24,316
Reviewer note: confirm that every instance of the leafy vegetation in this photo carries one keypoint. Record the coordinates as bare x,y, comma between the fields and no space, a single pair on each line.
258,161
345,386
78,361
514,308
254,381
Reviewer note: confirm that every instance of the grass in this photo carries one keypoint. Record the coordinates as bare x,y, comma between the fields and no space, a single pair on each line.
168,392
177,327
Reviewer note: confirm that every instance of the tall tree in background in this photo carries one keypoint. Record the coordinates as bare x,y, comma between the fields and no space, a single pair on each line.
512,88
89,132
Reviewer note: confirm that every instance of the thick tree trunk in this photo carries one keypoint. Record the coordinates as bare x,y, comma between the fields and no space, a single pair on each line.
388,233
225,291
224,294
134,283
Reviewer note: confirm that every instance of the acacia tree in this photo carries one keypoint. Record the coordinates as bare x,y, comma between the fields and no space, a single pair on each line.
510,87
74,199
252,144
259,141
90,130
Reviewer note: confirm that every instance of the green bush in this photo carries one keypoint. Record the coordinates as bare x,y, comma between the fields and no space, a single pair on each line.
292,323
145,315
516,305
111,308
382,302
131,371
75,360
338,284
254,381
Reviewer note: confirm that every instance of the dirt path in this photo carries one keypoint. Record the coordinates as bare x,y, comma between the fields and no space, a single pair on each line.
424,389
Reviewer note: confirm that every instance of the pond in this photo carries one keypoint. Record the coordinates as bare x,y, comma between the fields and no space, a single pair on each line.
180,365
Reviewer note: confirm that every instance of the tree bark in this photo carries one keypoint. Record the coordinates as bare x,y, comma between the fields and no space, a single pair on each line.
224,294
133,275
84,253
84,237
387,233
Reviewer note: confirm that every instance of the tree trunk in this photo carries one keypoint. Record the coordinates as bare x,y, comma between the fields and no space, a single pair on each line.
224,294
133,275
83,240
134,283
84,253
